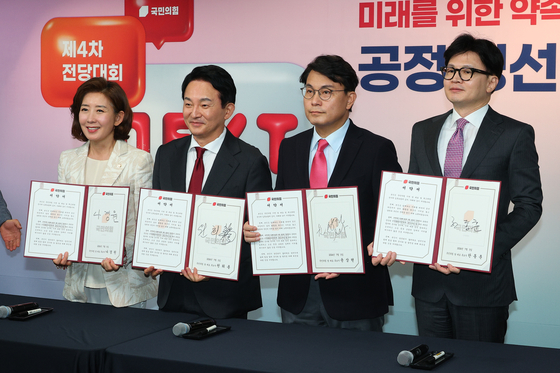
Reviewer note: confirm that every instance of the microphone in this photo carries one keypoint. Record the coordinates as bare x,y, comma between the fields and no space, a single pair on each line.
182,328
405,358
6,311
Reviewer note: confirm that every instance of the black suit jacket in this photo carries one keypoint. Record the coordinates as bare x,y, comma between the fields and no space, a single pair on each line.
238,168
362,157
504,150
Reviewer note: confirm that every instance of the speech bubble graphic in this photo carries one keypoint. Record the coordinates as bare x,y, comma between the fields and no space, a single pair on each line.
75,49
164,20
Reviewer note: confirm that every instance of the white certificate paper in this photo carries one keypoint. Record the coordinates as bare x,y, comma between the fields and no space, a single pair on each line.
306,231
334,230
162,230
217,231
469,223
280,219
105,224
88,222
428,219
407,216
54,220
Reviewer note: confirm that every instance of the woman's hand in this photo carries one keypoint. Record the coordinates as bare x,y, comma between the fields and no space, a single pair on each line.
109,265
61,261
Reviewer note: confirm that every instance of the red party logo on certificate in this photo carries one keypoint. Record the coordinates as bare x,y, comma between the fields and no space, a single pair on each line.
326,196
466,187
268,199
163,20
406,181
214,204
160,197
76,49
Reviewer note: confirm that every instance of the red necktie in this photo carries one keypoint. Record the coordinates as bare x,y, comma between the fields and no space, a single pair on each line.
195,186
454,156
319,176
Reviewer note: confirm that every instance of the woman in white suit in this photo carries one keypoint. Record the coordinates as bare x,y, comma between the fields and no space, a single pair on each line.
102,118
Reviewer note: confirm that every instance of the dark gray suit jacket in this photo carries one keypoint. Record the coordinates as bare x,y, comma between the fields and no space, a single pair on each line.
504,150
4,213
238,168
362,157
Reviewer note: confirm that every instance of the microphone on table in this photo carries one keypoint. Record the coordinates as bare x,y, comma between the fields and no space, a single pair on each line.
6,311
405,358
182,328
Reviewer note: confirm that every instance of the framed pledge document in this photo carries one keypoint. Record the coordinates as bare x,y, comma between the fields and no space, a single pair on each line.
176,230
430,219
306,231
89,222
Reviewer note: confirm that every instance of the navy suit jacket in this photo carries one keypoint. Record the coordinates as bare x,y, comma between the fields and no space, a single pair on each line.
362,157
238,168
504,150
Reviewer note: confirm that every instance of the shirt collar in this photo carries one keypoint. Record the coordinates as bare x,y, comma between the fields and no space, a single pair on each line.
335,139
474,118
213,146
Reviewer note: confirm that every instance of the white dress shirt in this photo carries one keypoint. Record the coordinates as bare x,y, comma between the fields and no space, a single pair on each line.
469,133
208,158
332,150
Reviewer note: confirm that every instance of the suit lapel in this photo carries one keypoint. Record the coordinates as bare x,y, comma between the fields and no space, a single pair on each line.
178,165
224,166
302,158
115,165
486,137
348,152
431,137
77,167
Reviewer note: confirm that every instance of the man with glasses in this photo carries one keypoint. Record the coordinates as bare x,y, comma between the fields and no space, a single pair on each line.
353,157
472,141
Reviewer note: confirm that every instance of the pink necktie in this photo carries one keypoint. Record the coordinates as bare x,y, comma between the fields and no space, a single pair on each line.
195,186
454,156
318,178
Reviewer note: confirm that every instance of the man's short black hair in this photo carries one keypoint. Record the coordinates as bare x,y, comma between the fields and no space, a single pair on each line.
218,77
489,53
335,68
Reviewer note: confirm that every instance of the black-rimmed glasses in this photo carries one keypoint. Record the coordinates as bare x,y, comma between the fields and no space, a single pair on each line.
325,94
465,73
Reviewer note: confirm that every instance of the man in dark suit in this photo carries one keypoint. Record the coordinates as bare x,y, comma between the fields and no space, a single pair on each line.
231,168
354,157
464,304
10,229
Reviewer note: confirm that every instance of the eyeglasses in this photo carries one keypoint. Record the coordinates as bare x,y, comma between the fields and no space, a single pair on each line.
325,94
465,73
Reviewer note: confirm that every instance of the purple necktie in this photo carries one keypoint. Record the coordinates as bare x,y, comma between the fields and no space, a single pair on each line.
454,156
195,186
319,176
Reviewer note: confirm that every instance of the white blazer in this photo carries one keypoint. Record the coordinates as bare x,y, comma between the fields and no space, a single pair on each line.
127,166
